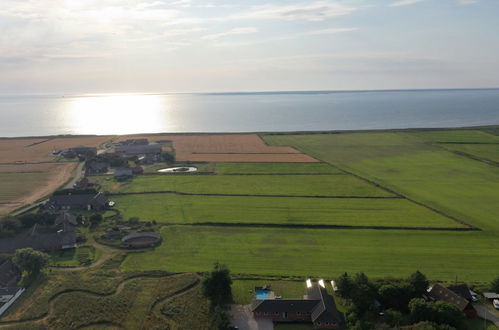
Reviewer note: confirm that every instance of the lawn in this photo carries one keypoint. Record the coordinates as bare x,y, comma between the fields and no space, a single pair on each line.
276,168
457,185
82,255
243,291
294,185
170,208
320,252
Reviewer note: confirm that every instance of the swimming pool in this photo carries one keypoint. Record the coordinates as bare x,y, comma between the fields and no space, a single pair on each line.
262,294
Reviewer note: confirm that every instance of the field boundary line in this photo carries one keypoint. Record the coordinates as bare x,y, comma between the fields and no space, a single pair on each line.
398,194
318,226
467,155
249,195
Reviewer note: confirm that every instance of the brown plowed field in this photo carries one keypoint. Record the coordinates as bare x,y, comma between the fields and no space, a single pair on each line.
227,148
40,150
22,185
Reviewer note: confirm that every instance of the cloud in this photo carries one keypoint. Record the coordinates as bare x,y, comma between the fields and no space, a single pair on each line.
235,31
331,31
404,3
467,2
315,11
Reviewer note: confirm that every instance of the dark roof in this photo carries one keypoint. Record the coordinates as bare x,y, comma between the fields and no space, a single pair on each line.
284,305
83,149
77,200
134,142
440,292
123,172
97,166
65,218
9,274
139,149
462,290
325,311
10,291
41,238
318,303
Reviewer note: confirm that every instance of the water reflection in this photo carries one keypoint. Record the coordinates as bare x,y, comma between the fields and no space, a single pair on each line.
117,114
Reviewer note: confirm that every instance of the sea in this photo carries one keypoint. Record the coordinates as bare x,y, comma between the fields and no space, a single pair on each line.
104,114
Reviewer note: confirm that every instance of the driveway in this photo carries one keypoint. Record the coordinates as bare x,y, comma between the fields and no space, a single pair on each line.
242,318
484,313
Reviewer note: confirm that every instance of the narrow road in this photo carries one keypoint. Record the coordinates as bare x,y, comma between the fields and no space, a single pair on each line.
79,173
484,313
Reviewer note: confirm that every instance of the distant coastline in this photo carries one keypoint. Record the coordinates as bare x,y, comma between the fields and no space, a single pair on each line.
270,111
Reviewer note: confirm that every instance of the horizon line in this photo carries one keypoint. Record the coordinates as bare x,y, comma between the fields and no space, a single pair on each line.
267,92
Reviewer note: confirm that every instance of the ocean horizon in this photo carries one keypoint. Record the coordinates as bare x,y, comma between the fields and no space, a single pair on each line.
260,111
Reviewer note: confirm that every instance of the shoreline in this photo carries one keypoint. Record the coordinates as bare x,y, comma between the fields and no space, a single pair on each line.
376,130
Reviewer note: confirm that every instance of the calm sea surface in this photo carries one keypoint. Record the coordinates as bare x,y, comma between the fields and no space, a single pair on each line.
245,112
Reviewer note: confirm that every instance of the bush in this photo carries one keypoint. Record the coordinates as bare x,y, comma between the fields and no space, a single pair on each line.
494,285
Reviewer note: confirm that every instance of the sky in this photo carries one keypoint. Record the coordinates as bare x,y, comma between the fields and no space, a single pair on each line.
161,46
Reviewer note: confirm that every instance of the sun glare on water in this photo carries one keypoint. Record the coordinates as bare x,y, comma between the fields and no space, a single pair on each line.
117,114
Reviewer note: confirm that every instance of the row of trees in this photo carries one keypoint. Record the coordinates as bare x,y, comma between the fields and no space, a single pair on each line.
401,301
217,288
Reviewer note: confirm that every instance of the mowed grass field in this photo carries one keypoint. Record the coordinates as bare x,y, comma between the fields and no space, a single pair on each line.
462,187
485,151
293,185
170,208
275,168
326,253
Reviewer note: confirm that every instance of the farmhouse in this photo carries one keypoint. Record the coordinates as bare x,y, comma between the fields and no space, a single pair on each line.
439,292
96,167
317,307
134,142
76,201
138,150
46,239
123,173
85,151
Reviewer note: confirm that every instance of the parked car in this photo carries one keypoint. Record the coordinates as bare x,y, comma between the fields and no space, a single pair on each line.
495,302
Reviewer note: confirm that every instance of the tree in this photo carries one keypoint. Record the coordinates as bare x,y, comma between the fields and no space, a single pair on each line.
95,219
448,313
217,286
345,285
419,282
393,317
494,285
420,310
30,261
396,296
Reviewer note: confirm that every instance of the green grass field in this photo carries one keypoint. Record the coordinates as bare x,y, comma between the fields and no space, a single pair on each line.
462,136
485,151
457,185
170,208
275,168
317,252
294,185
